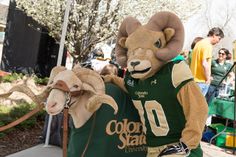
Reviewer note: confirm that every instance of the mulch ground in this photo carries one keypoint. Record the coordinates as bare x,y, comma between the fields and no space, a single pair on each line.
20,139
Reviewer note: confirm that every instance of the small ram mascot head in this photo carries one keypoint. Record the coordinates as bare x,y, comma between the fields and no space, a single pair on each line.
82,87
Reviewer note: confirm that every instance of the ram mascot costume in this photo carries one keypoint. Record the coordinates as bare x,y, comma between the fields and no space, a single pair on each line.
170,104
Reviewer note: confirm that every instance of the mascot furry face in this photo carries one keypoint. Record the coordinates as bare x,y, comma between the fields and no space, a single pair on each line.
145,49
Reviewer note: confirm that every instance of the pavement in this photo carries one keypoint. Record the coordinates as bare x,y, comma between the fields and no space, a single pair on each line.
214,151
39,151
53,151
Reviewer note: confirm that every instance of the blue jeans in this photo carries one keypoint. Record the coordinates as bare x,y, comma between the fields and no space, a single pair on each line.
212,93
204,87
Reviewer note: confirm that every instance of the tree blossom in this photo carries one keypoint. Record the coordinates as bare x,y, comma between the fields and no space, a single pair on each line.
95,21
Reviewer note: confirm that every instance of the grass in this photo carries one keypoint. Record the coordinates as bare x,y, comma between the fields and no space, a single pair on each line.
10,114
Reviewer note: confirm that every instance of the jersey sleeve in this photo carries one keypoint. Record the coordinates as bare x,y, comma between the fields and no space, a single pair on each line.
195,110
193,103
181,74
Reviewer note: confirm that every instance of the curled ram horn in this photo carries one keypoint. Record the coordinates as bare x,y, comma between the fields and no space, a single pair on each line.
89,88
128,26
91,78
92,81
159,22
95,102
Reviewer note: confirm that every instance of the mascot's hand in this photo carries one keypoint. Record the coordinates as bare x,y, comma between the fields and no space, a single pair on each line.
178,149
107,78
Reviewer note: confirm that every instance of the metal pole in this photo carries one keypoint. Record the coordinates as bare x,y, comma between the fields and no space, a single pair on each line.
59,59
63,35
48,131
234,125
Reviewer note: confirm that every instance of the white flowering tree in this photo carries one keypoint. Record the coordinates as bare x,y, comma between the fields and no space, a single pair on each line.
144,9
90,21
94,21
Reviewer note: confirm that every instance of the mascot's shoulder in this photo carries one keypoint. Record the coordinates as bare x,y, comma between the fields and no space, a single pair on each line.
180,73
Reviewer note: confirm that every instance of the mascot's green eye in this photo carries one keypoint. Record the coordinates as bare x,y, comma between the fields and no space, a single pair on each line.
158,43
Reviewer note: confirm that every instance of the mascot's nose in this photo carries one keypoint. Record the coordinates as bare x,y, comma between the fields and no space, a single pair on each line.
133,64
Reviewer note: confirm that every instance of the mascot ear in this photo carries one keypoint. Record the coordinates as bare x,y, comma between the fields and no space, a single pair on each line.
169,33
122,41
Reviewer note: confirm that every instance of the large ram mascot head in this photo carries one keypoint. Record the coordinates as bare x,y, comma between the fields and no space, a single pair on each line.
82,88
144,49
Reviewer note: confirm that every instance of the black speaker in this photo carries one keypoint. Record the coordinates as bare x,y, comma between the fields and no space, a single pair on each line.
47,55
27,47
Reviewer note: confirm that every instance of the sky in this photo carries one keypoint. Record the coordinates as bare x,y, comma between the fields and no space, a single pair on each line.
5,2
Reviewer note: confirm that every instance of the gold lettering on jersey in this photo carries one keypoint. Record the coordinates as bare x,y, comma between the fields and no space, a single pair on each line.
128,140
141,94
127,132
135,149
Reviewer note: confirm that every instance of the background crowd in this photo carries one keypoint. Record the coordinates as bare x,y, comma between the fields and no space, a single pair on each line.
213,73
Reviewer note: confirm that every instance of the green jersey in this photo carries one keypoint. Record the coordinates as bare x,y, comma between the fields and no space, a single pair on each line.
155,98
109,135
218,71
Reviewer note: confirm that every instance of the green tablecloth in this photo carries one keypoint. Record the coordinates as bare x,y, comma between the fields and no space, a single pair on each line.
222,108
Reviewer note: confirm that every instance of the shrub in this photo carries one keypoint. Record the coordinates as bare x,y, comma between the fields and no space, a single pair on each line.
10,114
12,77
41,81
